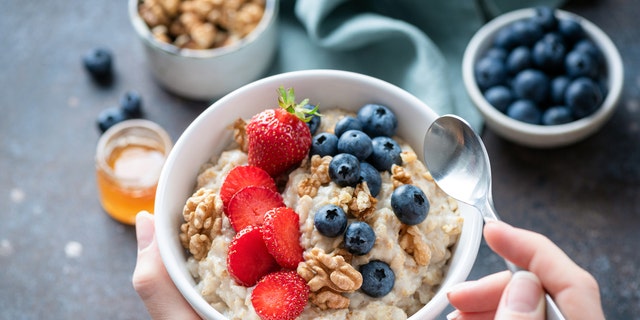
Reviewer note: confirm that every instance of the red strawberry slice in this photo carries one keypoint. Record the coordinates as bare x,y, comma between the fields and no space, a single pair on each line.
280,295
244,176
248,206
281,233
248,259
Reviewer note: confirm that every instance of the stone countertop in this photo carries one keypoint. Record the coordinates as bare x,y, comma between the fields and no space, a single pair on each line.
62,257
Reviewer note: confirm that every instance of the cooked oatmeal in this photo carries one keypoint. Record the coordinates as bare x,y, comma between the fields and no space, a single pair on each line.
418,254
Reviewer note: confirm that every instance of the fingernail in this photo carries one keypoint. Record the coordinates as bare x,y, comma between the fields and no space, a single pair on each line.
525,292
144,230
453,315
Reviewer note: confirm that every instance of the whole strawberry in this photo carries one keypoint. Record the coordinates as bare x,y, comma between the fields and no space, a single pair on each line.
280,138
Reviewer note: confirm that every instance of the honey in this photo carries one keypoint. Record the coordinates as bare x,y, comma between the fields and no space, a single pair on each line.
129,159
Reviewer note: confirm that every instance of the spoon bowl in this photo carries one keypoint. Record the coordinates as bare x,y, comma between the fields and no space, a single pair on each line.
459,164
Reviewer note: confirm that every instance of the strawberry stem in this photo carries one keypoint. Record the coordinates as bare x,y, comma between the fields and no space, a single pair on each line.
287,101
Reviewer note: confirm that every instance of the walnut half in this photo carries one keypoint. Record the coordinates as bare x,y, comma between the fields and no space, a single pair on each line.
328,276
412,242
202,214
319,176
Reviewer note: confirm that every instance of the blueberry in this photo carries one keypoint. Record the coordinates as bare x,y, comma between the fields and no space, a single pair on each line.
378,120
570,30
314,122
498,53
410,204
526,32
109,117
558,86
355,142
583,96
580,64
490,72
386,152
131,104
546,18
531,84
324,144
500,97
330,220
587,46
518,60
505,38
370,174
556,115
377,278
548,53
344,170
532,32
99,62
345,124
525,111
359,238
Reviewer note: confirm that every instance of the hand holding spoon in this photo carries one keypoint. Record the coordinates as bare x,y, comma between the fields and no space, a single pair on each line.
459,164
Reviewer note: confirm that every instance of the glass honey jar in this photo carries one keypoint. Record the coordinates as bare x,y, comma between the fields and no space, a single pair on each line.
129,158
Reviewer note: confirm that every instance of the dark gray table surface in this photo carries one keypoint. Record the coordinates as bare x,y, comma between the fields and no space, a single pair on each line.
62,257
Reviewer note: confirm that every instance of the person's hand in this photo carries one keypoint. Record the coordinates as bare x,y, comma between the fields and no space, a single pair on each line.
151,280
521,295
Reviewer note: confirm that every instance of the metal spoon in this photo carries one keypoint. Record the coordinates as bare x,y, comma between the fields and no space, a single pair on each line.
459,164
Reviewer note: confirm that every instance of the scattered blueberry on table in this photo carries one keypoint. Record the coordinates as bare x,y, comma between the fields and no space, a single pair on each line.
131,104
542,70
99,63
109,117
130,107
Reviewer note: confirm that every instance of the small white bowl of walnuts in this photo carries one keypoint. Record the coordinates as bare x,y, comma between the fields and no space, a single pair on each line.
204,49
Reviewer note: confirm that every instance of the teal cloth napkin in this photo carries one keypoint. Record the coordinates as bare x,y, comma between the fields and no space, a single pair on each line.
415,44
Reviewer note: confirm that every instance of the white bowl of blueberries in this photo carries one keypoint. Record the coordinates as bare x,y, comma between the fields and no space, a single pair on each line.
543,77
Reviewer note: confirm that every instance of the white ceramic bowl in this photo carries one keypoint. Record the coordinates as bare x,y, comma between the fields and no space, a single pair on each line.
212,73
209,134
538,135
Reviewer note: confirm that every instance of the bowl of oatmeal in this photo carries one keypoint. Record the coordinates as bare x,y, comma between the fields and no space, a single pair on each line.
426,258
201,49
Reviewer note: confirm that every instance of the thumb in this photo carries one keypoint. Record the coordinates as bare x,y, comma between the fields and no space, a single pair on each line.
522,299
151,280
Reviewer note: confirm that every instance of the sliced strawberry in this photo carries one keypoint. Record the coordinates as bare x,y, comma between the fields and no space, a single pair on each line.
248,206
244,176
280,295
248,259
281,233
